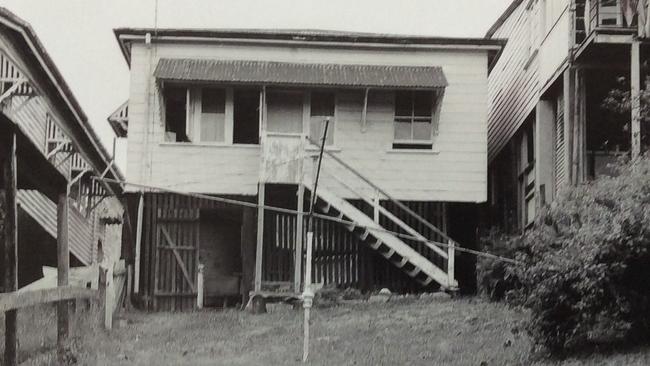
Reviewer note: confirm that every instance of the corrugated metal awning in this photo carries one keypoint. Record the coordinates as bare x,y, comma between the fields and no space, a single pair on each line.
285,73
43,211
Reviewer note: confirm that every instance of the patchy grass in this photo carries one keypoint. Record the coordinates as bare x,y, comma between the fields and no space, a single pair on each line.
426,331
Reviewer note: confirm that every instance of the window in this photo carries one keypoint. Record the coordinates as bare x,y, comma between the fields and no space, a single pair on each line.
526,173
413,124
322,107
176,101
194,114
284,111
246,125
213,117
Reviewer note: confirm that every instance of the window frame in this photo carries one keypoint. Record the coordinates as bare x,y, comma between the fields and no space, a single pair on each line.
433,120
193,112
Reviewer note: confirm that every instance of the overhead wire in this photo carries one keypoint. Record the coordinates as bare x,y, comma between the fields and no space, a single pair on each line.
455,246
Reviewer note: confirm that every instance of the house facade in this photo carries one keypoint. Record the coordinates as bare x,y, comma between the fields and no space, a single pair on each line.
548,126
49,151
219,115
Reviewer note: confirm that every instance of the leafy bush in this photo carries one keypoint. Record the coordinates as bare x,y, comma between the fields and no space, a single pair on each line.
586,263
498,279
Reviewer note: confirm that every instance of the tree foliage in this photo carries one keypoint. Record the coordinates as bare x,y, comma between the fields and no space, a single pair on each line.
586,267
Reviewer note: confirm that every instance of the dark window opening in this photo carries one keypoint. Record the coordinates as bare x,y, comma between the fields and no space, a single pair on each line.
322,107
176,114
246,115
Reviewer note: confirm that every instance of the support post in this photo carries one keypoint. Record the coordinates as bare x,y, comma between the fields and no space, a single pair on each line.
10,259
569,120
299,231
138,245
308,294
260,238
199,288
364,111
63,265
578,129
635,98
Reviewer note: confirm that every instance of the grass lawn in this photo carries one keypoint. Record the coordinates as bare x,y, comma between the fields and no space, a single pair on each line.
405,331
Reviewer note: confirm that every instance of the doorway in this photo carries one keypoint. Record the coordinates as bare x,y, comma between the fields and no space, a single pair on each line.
220,255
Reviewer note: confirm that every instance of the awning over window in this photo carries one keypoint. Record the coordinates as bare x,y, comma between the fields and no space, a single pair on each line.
285,73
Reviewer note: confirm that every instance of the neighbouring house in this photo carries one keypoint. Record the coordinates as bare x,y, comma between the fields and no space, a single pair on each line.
237,114
547,124
57,154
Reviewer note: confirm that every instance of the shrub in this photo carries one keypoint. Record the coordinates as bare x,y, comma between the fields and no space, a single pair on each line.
587,263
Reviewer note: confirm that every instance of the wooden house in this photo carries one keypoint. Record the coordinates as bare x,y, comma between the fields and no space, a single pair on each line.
50,155
238,115
547,123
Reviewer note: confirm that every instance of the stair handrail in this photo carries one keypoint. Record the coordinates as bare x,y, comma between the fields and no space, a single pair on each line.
428,243
390,198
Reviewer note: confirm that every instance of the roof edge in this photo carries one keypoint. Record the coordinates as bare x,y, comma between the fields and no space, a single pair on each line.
33,42
499,22
302,36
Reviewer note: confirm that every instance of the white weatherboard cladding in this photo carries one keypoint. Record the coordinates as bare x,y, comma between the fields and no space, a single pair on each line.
455,170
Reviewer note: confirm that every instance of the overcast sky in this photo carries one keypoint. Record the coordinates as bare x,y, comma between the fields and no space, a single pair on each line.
78,33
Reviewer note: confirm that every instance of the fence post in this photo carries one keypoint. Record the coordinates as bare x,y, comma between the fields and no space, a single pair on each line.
451,257
106,312
10,260
63,263
199,287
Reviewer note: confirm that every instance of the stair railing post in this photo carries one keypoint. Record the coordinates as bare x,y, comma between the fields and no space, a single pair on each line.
375,201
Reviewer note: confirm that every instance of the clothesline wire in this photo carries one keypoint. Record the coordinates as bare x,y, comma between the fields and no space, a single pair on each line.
455,246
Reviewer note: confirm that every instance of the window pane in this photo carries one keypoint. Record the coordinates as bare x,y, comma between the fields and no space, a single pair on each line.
213,118
423,103
316,126
322,104
402,130
403,103
284,112
422,130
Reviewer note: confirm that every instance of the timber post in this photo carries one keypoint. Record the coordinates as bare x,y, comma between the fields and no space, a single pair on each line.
299,236
635,98
63,267
10,260
260,238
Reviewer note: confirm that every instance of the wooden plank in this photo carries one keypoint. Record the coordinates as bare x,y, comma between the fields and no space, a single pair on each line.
260,239
24,299
63,268
10,260
179,261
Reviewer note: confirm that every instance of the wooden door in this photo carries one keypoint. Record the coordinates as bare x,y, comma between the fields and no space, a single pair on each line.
177,259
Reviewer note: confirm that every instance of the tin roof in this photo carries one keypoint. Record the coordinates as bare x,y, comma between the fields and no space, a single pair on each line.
285,73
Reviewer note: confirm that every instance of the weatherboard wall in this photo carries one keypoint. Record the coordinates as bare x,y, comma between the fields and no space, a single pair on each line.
522,71
455,170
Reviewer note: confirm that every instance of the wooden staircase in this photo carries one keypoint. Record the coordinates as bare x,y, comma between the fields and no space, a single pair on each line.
389,245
